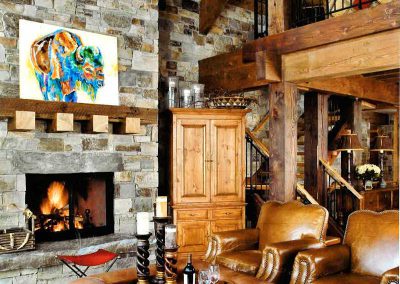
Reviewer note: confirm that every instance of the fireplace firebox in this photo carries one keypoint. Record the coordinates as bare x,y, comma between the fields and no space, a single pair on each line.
70,206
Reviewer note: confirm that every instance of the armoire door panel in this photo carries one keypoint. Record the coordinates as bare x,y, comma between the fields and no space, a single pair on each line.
193,236
226,153
191,161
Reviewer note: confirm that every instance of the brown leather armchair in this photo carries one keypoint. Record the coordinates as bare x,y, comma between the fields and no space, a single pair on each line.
369,253
268,251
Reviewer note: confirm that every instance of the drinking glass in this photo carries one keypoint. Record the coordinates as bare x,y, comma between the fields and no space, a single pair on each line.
214,273
203,277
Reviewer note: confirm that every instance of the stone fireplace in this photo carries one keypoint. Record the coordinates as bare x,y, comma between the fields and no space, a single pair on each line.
70,206
83,187
130,161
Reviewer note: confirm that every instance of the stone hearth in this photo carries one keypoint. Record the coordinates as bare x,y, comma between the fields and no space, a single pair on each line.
41,265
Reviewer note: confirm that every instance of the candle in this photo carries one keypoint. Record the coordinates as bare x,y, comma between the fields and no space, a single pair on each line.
161,206
142,223
170,236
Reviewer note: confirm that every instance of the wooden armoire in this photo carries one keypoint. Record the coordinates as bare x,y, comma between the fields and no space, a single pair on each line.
207,174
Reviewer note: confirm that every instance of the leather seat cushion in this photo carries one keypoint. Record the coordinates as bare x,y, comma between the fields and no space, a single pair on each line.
247,261
348,278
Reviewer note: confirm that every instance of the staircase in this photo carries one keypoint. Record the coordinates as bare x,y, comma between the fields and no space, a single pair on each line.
257,173
341,197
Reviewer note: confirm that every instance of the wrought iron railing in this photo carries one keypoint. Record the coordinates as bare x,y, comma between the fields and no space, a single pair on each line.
304,12
260,18
257,177
341,198
257,163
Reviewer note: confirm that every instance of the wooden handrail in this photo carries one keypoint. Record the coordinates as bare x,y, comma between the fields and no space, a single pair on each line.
300,188
260,145
261,123
333,173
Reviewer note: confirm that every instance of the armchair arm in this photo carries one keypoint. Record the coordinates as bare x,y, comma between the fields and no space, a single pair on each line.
391,276
231,241
312,264
279,257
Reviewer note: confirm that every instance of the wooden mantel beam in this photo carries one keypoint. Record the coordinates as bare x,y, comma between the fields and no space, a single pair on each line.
361,23
209,12
356,86
46,110
375,52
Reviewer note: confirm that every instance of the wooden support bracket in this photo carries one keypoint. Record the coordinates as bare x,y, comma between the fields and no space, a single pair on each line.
22,121
98,124
62,122
130,125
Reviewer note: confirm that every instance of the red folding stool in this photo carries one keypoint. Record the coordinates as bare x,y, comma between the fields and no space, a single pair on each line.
92,259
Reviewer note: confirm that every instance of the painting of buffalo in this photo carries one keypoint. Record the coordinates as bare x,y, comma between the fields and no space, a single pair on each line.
70,67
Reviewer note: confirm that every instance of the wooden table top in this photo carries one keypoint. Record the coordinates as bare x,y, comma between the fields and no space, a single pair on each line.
128,275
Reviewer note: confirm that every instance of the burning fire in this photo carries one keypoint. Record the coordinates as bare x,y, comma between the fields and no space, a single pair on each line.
55,210
57,199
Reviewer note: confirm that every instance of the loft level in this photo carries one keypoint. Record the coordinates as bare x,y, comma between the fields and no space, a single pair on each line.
330,56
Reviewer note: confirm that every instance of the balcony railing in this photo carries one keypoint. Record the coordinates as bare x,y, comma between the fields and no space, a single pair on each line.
260,18
304,12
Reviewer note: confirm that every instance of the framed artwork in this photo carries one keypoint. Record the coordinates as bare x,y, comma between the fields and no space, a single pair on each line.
68,65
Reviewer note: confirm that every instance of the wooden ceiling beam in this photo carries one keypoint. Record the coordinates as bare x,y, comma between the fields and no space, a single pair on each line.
372,53
227,71
364,22
209,12
356,86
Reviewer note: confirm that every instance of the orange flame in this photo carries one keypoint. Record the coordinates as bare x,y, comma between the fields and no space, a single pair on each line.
78,224
57,198
59,227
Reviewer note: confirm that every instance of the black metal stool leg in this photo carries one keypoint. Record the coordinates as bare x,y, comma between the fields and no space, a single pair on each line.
73,269
112,263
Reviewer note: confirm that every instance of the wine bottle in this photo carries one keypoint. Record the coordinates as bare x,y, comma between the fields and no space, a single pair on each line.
189,273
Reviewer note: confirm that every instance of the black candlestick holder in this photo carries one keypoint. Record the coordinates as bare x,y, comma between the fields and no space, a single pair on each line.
170,265
142,261
159,229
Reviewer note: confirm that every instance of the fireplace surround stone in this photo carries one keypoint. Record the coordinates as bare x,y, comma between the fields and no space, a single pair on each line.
132,159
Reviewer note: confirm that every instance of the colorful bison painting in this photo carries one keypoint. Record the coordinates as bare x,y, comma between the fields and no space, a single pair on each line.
67,65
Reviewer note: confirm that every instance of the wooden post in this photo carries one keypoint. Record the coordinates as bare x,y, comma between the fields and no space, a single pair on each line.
352,110
395,153
283,137
22,121
356,126
315,143
98,124
62,122
278,16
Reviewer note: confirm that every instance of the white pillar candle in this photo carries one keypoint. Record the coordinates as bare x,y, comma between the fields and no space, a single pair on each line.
142,227
170,236
161,206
